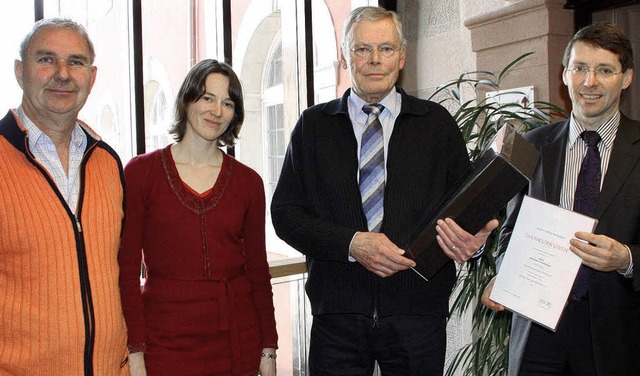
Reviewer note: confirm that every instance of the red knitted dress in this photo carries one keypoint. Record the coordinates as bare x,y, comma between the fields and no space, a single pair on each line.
206,307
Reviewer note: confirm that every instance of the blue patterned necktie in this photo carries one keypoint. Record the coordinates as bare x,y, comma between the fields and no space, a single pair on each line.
372,168
586,198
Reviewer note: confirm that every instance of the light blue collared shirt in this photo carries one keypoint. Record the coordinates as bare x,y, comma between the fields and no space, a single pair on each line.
392,104
45,153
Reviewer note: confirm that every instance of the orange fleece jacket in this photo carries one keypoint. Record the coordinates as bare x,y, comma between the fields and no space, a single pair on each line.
60,311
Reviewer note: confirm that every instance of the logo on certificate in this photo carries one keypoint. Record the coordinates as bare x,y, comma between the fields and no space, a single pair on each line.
544,304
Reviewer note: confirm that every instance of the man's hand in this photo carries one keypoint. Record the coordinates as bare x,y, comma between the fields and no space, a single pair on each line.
378,254
600,252
488,302
458,244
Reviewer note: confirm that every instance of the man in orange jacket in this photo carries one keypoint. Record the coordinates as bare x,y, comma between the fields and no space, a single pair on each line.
61,210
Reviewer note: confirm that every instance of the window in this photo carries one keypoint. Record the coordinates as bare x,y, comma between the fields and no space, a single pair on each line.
272,98
275,146
169,30
109,108
15,25
325,54
156,132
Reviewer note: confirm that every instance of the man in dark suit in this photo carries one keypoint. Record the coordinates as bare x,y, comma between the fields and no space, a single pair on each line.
367,305
599,331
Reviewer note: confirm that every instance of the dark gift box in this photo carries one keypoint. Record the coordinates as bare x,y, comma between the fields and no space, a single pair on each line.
487,186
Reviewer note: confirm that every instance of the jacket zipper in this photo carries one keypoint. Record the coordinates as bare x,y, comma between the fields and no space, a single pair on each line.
83,270
375,304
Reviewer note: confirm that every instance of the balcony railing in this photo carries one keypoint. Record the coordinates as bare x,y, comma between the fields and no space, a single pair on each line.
287,267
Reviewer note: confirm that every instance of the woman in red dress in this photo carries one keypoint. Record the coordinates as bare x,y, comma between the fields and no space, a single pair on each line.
196,216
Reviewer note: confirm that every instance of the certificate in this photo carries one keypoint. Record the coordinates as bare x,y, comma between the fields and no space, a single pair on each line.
538,269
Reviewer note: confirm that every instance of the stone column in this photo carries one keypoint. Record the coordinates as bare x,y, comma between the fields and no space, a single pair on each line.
540,26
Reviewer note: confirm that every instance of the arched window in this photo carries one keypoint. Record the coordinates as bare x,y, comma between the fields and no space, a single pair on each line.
274,67
273,111
157,132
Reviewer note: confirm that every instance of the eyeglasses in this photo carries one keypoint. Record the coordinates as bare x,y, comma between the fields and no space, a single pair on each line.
600,72
364,52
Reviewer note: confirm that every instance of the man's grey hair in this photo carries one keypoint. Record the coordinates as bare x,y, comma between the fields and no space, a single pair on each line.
60,23
369,14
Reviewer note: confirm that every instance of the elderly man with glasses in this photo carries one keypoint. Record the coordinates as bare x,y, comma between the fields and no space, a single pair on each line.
361,178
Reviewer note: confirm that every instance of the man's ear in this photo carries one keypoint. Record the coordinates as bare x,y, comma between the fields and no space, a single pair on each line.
343,60
17,69
627,78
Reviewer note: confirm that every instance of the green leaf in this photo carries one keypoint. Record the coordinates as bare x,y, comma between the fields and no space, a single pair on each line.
511,64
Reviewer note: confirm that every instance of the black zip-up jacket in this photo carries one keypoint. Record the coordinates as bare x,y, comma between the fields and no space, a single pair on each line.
317,207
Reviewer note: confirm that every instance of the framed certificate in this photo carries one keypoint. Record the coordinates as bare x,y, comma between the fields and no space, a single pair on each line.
538,269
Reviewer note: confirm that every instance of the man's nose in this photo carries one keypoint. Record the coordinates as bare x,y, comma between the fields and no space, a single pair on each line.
591,79
62,69
375,56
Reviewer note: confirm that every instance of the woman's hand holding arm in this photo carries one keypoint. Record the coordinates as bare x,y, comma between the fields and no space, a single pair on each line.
136,364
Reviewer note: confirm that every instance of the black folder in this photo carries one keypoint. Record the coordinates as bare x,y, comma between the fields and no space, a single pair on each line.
486,187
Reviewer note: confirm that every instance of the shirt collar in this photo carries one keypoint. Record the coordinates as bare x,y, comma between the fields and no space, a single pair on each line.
391,103
36,136
607,130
